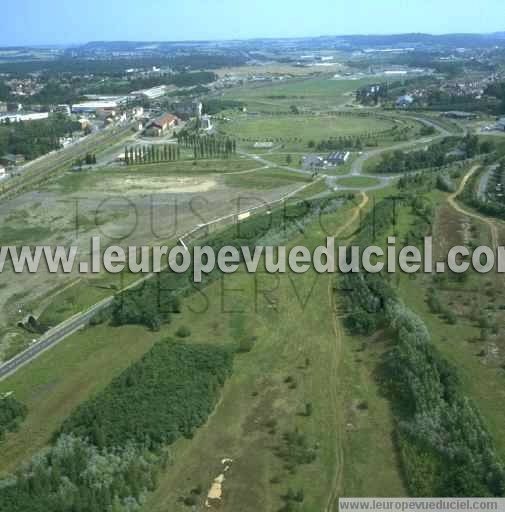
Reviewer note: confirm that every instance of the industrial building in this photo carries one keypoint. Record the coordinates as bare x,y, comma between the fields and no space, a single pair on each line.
150,94
16,118
337,158
91,107
120,100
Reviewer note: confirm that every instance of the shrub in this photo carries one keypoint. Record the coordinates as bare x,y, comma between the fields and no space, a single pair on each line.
183,332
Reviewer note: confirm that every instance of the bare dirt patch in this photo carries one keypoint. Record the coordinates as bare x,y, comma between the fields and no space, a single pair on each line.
134,185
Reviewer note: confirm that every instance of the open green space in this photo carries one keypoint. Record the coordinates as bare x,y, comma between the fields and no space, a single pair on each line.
302,127
319,92
266,179
357,182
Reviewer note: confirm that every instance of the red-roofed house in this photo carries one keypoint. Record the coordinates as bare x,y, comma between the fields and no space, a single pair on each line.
162,124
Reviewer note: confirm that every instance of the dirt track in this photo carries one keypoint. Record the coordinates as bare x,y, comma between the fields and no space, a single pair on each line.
339,455
452,201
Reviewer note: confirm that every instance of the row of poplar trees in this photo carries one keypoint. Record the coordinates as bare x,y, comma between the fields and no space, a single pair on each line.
152,154
209,146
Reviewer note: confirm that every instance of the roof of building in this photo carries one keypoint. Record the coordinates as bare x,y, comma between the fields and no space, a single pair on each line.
338,155
95,105
407,98
163,120
459,113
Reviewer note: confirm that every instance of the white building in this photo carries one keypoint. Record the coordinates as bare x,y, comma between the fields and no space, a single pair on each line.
90,107
206,123
150,94
3,172
16,118
138,112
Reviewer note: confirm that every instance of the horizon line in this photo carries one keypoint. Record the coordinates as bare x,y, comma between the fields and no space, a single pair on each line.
254,38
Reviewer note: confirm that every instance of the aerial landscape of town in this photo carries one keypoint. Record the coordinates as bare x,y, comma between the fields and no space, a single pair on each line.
168,388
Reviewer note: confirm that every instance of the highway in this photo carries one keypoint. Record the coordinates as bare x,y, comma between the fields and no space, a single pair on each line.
51,338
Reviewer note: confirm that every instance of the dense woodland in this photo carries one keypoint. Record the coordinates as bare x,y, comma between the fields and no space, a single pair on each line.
444,446
35,138
109,451
169,393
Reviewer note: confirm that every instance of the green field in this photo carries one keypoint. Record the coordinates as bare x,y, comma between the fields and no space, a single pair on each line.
357,182
302,127
319,92
266,179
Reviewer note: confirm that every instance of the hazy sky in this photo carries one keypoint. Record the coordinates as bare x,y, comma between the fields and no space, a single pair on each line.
71,21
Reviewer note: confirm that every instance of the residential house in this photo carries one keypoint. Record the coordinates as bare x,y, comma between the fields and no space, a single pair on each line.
162,125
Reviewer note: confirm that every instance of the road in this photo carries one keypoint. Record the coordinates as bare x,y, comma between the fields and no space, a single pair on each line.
52,338
357,166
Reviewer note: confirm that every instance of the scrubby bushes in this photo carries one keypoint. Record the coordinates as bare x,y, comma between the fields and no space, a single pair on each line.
75,476
441,153
12,413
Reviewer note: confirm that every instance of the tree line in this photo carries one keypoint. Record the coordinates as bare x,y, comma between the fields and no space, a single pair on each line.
438,154
207,146
154,153
444,446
